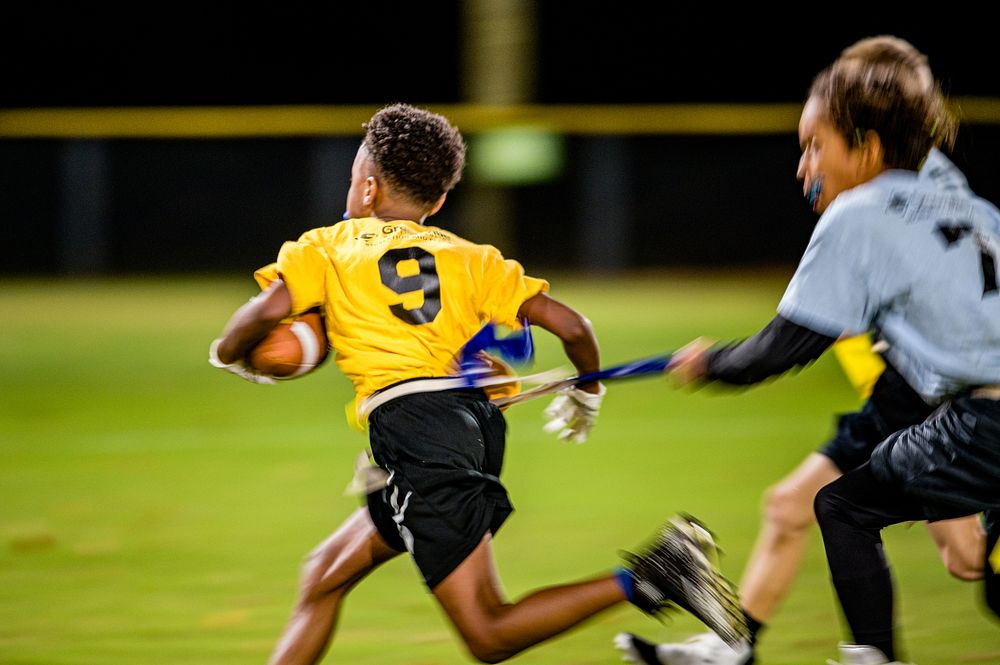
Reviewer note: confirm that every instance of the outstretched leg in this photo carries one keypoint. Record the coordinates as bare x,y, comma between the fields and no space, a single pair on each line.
332,569
767,578
774,564
494,629
677,569
777,553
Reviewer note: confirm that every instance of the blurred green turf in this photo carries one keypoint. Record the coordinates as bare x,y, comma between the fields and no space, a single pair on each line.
154,510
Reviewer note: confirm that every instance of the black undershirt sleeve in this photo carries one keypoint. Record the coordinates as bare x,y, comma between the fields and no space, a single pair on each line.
777,348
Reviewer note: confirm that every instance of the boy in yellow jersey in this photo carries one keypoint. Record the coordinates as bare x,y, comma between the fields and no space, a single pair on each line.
400,300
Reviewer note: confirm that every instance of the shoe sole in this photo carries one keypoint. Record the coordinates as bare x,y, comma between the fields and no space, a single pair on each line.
706,592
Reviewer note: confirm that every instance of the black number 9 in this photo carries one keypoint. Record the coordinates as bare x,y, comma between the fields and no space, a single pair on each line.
426,280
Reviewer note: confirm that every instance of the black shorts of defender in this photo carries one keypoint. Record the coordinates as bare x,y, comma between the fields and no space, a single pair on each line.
893,406
444,452
950,463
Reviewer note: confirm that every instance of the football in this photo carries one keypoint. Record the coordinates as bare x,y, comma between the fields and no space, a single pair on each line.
292,349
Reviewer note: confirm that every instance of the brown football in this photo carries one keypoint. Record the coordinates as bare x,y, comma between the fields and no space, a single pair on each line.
292,349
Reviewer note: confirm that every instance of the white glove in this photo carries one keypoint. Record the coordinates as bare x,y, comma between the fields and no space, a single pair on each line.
573,414
238,368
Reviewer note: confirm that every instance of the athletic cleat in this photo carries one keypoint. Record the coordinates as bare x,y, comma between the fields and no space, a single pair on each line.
860,654
703,649
680,568
637,650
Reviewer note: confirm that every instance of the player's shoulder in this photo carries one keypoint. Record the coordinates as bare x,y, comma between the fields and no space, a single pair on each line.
321,235
873,203
851,211
942,173
436,235
449,241
339,235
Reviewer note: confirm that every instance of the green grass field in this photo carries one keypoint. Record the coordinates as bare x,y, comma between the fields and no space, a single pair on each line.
156,510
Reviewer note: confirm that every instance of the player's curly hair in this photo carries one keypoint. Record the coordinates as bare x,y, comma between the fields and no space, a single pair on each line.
417,152
884,84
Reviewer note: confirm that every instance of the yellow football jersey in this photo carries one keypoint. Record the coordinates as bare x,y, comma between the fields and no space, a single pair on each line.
400,299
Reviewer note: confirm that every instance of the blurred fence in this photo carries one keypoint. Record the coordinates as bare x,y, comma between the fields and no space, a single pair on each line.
165,190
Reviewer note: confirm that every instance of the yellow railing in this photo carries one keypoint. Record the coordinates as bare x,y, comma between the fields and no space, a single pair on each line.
315,120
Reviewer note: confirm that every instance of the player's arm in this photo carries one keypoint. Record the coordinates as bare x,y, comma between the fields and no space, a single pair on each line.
252,322
574,413
780,346
571,327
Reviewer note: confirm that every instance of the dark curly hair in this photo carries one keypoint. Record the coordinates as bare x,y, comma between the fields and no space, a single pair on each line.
883,84
418,153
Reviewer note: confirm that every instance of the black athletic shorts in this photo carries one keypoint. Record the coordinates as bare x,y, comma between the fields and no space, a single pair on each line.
893,405
443,451
950,463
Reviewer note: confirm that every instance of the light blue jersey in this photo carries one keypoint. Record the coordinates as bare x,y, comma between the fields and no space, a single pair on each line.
913,258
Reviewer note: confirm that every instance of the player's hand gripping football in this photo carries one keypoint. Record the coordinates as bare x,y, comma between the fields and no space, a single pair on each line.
574,413
239,368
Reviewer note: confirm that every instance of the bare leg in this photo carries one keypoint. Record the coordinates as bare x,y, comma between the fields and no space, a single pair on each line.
962,544
493,629
774,563
777,554
333,568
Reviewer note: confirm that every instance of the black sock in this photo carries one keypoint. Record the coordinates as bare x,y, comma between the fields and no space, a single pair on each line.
754,626
867,605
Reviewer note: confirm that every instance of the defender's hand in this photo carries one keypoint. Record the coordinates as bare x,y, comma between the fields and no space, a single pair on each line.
574,413
238,368
689,363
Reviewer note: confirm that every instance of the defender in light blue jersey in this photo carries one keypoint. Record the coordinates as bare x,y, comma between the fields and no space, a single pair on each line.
919,255
915,263
904,250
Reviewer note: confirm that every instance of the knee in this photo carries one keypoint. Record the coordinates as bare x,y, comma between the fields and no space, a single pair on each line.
962,546
825,506
962,568
787,510
488,650
486,643
964,561
318,578
310,589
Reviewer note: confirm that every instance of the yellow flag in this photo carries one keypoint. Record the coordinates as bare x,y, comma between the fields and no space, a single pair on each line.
860,363
354,420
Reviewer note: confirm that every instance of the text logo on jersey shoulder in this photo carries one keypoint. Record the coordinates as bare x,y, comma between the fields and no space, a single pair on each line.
387,230
897,203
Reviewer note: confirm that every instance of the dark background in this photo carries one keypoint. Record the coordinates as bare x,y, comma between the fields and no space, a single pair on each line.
86,54
226,204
